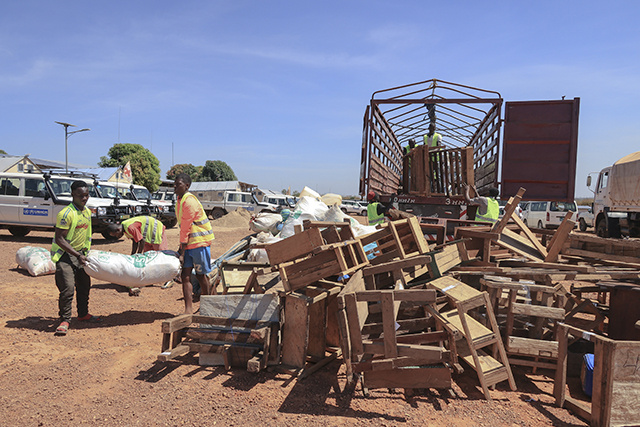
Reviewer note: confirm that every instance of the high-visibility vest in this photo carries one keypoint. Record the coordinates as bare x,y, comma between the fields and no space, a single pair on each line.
151,228
200,231
72,212
433,140
493,211
372,214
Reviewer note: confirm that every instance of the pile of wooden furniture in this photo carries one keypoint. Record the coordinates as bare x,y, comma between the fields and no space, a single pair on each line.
403,313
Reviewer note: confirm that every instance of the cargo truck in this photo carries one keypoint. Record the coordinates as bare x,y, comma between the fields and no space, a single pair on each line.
616,201
534,146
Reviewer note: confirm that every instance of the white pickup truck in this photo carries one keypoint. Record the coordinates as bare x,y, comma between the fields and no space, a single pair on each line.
232,200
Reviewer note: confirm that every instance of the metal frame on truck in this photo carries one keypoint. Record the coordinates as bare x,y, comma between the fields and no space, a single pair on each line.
536,132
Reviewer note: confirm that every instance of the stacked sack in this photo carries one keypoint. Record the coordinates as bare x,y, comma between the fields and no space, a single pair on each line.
36,260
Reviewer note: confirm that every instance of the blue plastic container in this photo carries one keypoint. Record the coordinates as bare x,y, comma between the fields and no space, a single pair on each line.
586,373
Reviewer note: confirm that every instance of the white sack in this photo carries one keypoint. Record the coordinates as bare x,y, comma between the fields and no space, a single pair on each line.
311,206
36,260
132,270
334,214
265,221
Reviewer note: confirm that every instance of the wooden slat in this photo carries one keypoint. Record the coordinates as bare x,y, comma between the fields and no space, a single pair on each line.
538,311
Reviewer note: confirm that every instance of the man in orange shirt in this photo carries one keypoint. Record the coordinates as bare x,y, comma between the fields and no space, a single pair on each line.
195,238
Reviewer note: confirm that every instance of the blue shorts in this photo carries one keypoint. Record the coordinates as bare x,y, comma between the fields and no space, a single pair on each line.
199,259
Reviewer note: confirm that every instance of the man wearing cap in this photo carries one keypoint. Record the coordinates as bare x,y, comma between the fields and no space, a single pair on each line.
375,209
488,207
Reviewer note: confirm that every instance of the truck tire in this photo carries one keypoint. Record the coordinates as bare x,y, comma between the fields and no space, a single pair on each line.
540,224
217,213
601,228
19,231
363,213
583,224
343,210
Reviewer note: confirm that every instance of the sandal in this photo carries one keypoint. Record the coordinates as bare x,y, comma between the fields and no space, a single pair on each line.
62,329
90,318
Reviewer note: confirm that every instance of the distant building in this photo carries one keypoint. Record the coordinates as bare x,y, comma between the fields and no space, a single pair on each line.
214,190
17,164
119,174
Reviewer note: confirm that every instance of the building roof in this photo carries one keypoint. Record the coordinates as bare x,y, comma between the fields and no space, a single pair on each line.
215,186
102,174
53,164
8,161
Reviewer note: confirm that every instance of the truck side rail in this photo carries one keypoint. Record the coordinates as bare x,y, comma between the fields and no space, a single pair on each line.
463,115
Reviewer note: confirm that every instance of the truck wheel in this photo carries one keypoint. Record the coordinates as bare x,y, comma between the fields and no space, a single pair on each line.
540,224
601,228
524,221
343,210
217,213
363,213
583,225
19,231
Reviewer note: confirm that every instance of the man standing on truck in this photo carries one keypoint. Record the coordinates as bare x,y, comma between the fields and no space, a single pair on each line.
433,139
71,244
488,207
196,235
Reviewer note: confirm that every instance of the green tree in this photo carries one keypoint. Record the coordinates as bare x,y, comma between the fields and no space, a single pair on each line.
145,167
217,170
187,168
2,151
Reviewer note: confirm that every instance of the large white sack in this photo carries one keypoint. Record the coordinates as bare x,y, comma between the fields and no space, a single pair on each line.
296,218
132,270
334,214
265,221
311,206
36,260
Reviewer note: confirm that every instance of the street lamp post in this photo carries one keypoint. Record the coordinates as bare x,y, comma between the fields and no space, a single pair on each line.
67,134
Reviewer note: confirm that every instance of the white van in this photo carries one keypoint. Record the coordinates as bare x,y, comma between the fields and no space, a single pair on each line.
31,201
547,214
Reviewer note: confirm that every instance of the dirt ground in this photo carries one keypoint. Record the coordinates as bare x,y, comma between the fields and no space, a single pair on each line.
107,373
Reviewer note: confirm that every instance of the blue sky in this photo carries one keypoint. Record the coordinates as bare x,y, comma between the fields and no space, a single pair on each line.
278,89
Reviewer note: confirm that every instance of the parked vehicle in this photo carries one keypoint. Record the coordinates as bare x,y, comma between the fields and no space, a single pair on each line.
117,192
429,181
585,217
31,201
503,203
354,207
233,200
278,202
164,210
547,214
616,204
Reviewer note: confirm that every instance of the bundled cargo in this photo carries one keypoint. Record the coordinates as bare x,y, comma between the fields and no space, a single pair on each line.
132,270
36,260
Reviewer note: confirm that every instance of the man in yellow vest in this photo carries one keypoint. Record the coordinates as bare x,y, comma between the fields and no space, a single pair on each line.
488,207
71,244
196,235
432,138
375,209
146,234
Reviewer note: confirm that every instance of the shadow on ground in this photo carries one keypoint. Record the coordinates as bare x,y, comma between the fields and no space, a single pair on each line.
129,317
